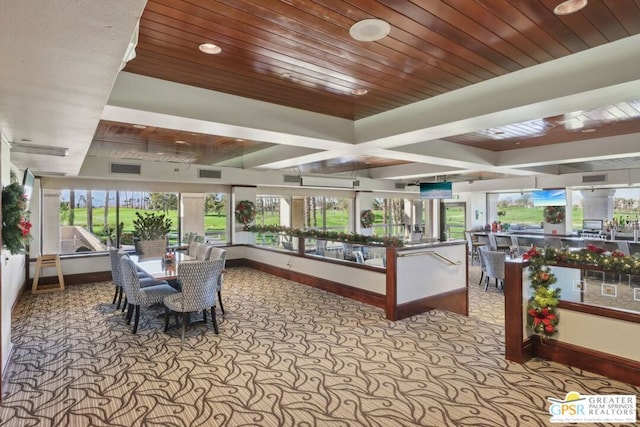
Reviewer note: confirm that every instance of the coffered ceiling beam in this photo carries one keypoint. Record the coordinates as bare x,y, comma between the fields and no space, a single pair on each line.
571,152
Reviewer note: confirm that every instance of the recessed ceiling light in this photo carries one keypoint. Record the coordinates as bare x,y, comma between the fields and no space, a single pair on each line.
239,139
569,6
210,48
369,30
160,152
587,130
179,141
139,126
359,92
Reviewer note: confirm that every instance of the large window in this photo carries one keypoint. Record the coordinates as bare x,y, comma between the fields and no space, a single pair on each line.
268,210
626,209
87,220
215,217
91,220
390,217
321,213
517,210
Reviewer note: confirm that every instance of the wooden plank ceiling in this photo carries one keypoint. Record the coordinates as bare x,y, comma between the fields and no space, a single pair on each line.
299,53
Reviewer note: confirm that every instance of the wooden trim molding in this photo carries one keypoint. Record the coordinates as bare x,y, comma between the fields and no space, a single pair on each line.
615,367
454,301
74,279
513,309
390,307
364,296
600,311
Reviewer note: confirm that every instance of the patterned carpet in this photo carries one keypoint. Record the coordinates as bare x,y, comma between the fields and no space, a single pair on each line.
287,355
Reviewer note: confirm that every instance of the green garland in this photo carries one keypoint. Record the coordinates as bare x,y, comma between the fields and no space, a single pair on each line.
245,212
542,307
16,228
387,241
367,218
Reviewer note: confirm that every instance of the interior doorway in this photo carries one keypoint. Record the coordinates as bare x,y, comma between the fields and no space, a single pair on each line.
453,220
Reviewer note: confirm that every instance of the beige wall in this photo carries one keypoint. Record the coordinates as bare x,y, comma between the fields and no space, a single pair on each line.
13,267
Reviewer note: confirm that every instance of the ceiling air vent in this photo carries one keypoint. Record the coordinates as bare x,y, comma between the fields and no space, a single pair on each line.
356,183
209,173
400,185
45,150
125,168
294,179
588,179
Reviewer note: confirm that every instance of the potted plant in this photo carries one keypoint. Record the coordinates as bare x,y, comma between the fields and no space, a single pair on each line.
150,233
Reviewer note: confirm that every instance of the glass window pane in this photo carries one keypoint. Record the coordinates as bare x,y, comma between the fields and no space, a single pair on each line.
82,221
268,210
215,218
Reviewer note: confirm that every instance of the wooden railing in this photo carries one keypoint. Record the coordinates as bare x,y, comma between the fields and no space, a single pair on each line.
612,349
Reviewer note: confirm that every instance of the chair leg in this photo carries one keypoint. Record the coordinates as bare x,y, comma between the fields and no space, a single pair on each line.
115,296
167,314
481,277
213,319
185,320
129,313
124,304
486,284
220,301
136,320
204,316
120,292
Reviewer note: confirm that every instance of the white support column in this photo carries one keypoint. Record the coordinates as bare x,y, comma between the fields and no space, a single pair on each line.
285,211
192,214
50,221
363,202
566,227
237,194
409,217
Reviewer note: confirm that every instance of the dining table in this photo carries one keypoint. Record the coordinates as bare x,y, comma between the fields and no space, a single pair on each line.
162,267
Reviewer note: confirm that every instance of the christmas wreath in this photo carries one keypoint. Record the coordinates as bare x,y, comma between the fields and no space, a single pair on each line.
542,307
245,212
554,214
367,218
16,228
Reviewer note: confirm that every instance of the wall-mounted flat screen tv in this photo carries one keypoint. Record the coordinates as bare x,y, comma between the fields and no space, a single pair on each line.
27,184
553,197
592,224
436,190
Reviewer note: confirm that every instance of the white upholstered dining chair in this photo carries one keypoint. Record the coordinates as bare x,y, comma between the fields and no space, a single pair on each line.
198,280
138,296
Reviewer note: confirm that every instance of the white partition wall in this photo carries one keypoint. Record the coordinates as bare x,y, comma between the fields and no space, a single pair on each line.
237,194
430,271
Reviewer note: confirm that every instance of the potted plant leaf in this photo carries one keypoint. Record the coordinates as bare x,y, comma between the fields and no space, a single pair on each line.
150,231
